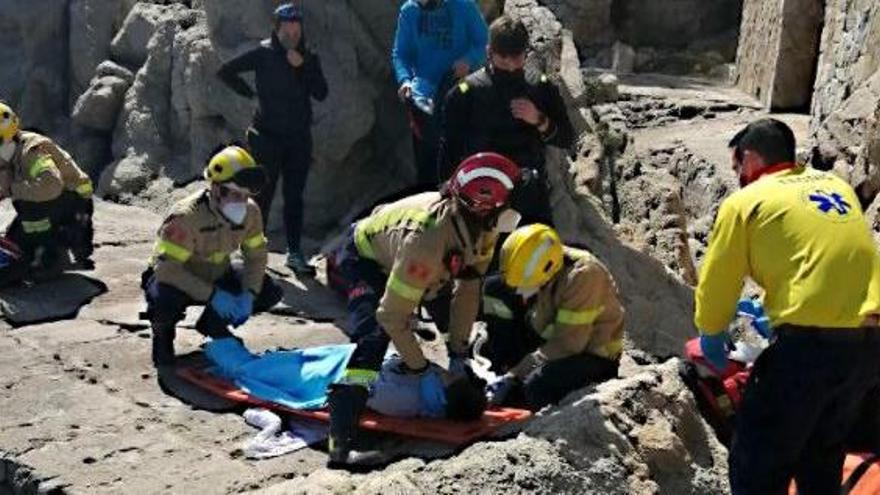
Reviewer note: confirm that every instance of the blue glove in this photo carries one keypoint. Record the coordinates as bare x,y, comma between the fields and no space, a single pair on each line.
244,308
225,304
432,393
754,310
715,349
498,390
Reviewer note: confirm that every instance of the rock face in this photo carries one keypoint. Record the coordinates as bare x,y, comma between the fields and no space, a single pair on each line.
779,45
98,107
848,56
635,435
677,36
33,42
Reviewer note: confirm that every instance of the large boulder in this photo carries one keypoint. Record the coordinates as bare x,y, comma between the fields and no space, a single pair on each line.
33,47
641,434
130,45
98,107
93,24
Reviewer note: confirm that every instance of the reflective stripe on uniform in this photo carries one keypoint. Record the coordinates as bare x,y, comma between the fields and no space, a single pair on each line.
496,307
464,87
612,349
380,222
218,257
255,242
37,226
361,377
586,317
404,290
85,189
174,251
364,247
40,165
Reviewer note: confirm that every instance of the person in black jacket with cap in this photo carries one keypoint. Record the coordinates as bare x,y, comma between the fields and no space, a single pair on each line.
288,77
502,109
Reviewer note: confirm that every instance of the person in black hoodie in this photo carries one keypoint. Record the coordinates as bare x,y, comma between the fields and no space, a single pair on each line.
288,77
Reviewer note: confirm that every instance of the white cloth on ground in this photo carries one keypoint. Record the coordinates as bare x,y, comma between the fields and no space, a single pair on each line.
272,442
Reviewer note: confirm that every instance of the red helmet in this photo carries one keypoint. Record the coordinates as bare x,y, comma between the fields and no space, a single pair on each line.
483,182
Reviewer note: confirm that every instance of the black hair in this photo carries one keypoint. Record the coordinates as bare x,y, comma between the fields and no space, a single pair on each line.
508,36
770,138
466,398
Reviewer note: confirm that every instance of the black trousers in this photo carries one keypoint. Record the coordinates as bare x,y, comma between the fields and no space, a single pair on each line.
74,224
290,159
35,228
166,307
511,339
426,145
802,402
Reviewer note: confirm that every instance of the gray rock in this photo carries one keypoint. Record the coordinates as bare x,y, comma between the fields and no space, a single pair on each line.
33,79
129,46
110,68
624,58
92,28
99,106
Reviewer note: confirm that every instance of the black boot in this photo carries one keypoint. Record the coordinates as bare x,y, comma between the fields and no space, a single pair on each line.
163,343
347,402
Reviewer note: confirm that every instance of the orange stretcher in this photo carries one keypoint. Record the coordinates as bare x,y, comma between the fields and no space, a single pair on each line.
440,430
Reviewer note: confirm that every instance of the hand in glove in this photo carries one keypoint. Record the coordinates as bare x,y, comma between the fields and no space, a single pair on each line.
715,349
498,390
754,310
245,308
225,304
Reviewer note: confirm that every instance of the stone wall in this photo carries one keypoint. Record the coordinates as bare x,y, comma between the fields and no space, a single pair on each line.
849,54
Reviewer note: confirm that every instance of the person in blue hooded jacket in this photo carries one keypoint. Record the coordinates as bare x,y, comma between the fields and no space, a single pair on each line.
437,42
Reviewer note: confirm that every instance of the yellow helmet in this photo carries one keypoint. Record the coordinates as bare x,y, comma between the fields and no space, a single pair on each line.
531,256
233,164
8,123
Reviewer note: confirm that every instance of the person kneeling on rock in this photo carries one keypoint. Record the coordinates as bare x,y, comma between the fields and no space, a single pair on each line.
191,261
554,319
51,195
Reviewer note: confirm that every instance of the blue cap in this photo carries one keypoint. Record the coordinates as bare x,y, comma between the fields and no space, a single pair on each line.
289,12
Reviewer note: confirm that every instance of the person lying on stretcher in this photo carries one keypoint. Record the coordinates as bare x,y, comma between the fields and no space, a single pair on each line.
299,379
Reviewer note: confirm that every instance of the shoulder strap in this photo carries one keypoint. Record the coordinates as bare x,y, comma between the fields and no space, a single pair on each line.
858,473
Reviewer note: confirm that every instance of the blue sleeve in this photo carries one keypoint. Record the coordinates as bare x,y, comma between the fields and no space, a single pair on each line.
403,55
478,36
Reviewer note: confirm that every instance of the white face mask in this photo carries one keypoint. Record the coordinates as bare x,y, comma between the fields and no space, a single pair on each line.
527,292
508,220
234,212
7,150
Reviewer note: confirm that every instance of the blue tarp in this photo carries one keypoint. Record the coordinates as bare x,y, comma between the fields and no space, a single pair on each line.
297,379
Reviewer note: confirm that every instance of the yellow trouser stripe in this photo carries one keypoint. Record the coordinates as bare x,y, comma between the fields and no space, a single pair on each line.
586,317
255,242
40,165
85,189
36,227
362,377
496,307
174,251
405,290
